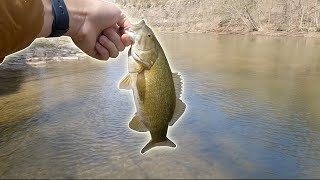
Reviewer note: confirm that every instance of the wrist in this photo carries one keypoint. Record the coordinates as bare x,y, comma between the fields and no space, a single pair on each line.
76,18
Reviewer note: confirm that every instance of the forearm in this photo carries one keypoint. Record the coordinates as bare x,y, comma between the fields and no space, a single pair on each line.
93,25
20,22
47,19
76,17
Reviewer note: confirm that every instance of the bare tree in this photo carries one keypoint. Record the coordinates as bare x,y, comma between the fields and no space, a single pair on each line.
253,15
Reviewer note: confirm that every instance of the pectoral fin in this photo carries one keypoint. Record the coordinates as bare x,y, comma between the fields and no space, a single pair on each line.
178,111
141,85
137,125
125,83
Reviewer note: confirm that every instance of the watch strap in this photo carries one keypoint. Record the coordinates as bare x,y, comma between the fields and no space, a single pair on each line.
60,23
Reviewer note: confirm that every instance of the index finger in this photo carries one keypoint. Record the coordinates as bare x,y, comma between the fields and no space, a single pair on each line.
124,22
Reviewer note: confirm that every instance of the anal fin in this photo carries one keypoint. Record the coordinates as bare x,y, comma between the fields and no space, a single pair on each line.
137,125
178,111
125,83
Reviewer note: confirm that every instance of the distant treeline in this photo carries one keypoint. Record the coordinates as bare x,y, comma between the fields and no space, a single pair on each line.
251,15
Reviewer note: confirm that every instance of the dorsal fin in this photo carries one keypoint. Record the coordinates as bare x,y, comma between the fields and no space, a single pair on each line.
177,84
180,106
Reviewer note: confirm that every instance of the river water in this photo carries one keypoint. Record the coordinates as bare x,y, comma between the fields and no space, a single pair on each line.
252,112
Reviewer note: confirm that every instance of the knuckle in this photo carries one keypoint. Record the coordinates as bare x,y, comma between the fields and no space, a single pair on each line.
114,37
122,47
114,54
103,40
102,53
119,45
106,42
105,56
107,32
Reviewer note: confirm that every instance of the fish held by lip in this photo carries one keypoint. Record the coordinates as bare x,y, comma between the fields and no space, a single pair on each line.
156,89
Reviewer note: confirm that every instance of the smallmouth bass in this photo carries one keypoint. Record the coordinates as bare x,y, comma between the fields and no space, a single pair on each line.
156,89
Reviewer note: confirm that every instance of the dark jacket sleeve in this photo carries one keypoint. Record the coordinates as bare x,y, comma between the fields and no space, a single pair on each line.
20,23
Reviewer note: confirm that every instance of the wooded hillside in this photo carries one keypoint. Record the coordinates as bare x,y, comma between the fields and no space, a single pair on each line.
227,15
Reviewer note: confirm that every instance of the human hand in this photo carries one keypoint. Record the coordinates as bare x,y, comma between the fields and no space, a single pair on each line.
95,28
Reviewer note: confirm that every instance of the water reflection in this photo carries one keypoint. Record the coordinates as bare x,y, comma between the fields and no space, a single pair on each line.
265,88
252,113
10,81
12,74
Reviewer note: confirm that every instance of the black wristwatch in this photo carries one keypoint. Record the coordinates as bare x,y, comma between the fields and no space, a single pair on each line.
60,23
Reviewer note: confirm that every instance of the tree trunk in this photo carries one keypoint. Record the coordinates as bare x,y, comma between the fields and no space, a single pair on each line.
240,15
259,18
251,20
316,15
301,19
269,18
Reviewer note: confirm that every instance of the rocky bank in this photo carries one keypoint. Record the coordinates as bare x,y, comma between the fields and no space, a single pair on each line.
42,51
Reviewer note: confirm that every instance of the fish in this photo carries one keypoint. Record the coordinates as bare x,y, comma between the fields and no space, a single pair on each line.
156,90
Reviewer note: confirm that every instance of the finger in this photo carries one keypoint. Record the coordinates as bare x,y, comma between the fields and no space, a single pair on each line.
115,38
105,42
124,22
103,53
109,45
126,40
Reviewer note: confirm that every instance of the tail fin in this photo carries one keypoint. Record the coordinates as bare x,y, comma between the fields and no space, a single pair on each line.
151,144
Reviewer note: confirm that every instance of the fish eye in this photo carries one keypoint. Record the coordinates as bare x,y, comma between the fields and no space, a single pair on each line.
149,35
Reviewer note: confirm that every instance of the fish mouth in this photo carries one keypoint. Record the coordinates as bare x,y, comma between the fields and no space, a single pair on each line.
131,33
